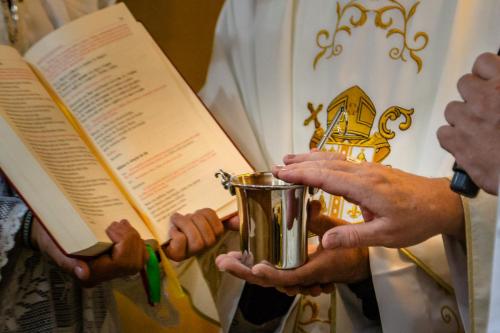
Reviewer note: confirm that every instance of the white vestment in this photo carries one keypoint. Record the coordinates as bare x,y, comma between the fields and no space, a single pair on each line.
280,71
471,262
494,310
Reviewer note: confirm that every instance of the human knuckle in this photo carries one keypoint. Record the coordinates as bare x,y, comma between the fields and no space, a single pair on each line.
353,237
218,229
442,132
484,58
462,82
450,110
210,240
202,211
197,245
178,256
389,238
335,156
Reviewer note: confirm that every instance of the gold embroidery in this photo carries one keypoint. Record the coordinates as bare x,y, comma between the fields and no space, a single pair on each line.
394,113
311,311
436,277
447,314
354,212
336,49
355,130
333,48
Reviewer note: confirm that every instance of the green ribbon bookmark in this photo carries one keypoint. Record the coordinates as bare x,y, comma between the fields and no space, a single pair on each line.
153,276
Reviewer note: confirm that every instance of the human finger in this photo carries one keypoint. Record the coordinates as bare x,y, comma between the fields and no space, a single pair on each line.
204,228
101,269
129,250
312,156
290,291
107,267
314,290
176,249
331,181
268,275
234,254
453,111
357,235
49,248
233,265
233,223
328,288
213,220
487,66
67,264
318,223
195,242
447,138
118,231
338,165
469,85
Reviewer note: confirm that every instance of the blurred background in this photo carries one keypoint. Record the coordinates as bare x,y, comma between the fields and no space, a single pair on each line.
184,29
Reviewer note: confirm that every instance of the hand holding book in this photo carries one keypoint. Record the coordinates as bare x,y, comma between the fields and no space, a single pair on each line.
190,234
127,256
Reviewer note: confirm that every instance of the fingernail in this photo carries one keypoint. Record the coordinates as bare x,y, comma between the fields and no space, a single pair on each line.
289,156
221,269
279,168
79,272
330,241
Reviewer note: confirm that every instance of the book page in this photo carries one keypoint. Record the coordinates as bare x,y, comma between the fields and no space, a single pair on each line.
150,127
52,167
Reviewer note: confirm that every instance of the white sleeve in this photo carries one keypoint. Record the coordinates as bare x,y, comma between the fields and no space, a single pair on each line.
471,265
457,260
494,319
225,90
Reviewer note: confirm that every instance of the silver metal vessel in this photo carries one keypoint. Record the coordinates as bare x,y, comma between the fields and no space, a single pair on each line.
273,216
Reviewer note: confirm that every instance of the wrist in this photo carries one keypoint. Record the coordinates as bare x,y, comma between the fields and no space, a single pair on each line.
362,271
453,222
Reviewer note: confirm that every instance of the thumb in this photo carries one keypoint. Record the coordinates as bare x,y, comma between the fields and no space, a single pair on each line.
82,271
233,223
352,235
319,223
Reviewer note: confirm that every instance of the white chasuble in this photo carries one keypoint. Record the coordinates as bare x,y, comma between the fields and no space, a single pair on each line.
494,306
281,70
471,261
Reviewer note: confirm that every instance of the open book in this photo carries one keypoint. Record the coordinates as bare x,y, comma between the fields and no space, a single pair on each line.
96,125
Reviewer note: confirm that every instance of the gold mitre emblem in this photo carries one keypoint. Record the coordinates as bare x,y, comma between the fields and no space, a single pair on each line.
355,124
360,111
